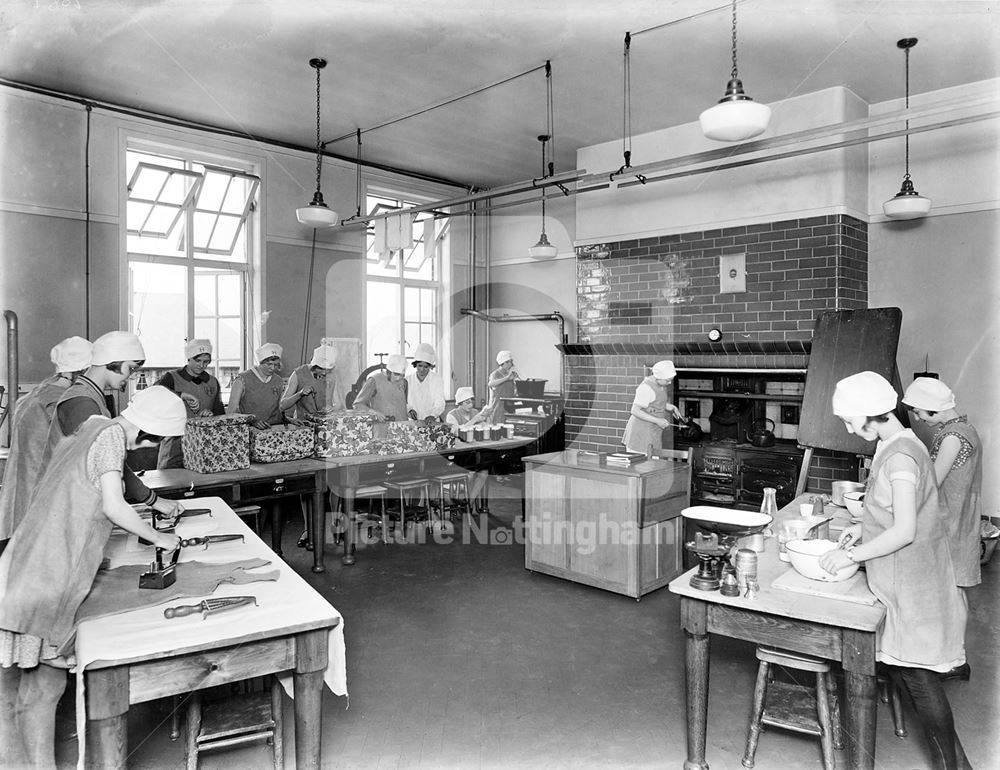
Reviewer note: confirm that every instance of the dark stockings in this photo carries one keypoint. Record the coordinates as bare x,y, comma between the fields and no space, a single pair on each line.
931,706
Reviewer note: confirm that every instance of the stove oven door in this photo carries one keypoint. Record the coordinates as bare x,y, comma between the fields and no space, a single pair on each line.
755,471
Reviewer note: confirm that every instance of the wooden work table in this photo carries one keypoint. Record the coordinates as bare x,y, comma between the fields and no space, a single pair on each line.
269,482
827,628
138,655
617,528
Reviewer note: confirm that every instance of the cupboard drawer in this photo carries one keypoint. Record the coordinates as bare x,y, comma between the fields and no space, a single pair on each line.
225,491
276,487
662,509
376,473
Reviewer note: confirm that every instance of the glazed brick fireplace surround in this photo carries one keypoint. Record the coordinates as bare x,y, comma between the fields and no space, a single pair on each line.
642,300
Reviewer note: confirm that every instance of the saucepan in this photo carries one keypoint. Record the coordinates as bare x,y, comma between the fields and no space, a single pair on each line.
838,488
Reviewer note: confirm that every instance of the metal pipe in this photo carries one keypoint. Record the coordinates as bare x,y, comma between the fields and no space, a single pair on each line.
555,315
12,384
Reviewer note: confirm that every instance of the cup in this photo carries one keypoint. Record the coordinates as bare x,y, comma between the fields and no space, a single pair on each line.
509,429
469,434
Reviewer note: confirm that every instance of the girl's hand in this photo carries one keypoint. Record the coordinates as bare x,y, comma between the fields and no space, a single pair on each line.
168,541
664,423
205,413
379,417
191,401
850,536
307,391
169,508
835,560
260,424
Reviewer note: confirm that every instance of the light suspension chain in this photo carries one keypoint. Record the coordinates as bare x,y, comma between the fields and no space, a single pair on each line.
735,74
319,144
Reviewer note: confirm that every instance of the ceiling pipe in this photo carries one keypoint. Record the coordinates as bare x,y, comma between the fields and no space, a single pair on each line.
555,315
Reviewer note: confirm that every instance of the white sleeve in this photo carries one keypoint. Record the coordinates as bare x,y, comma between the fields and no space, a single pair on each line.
644,396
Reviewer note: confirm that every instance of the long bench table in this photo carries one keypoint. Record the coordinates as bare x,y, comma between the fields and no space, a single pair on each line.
270,482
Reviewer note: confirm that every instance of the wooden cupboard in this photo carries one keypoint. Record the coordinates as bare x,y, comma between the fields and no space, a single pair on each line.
617,528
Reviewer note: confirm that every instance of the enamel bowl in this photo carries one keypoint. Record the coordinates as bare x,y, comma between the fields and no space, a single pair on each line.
804,556
855,504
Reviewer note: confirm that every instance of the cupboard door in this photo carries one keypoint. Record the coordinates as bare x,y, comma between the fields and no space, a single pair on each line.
603,529
546,519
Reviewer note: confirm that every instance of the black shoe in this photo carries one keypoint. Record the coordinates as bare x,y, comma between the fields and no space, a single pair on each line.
962,672
303,540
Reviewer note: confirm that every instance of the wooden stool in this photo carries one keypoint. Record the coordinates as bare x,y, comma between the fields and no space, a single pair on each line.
240,718
372,493
448,484
402,487
250,515
792,706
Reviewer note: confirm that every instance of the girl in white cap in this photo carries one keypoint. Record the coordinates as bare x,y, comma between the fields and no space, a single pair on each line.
424,389
306,392
957,453
907,561
257,391
198,389
463,416
50,564
650,407
501,385
115,358
384,393
30,432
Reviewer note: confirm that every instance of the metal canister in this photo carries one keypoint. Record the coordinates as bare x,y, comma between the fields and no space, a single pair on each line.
730,586
746,567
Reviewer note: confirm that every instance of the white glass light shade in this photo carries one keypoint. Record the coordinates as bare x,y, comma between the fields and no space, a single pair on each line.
907,206
543,249
735,121
317,214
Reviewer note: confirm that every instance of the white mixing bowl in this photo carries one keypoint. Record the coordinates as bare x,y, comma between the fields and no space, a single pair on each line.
855,504
804,556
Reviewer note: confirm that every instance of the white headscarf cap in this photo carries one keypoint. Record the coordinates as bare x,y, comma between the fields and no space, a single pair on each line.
930,394
117,346
396,363
426,353
197,348
664,370
464,394
157,410
267,350
325,357
73,354
504,355
865,394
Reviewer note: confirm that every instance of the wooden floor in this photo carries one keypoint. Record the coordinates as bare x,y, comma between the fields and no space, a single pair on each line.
459,658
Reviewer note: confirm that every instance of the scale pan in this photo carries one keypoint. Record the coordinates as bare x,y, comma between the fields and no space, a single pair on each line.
725,521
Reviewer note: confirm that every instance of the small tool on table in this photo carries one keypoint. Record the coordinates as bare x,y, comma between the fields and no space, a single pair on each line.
209,606
206,540
158,518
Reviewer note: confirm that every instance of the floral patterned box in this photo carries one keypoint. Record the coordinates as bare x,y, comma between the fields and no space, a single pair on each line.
438,435
281,443
343,434
214,444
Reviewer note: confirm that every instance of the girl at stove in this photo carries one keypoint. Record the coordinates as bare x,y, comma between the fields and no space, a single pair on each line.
904,548
650,407
957,453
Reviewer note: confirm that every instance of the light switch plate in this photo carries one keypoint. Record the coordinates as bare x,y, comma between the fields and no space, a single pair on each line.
732,273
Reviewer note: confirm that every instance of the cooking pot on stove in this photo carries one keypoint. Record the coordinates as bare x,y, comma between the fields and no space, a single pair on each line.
691,431
761,436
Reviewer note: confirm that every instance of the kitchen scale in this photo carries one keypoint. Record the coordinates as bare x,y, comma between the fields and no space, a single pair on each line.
718,531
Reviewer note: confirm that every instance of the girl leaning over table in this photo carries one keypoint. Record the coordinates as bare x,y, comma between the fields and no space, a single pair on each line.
53,558
501,385
465,415
384,393
957,453
30,430
257,391
903,545
200,392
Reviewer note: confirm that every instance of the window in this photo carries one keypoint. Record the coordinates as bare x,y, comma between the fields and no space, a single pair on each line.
190,226
404,287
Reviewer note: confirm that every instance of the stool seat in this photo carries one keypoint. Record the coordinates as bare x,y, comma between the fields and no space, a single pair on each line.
238,719
403,486
803,709
451,484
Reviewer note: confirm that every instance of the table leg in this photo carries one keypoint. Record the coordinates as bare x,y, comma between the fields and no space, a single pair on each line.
319,522
861,695
694,621
350,528
277,525
107,698
310,665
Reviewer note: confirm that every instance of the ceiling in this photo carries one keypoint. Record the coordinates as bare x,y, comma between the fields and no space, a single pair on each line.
243,65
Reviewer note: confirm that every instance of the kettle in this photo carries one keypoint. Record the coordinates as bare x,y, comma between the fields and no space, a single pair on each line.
761,436
691,431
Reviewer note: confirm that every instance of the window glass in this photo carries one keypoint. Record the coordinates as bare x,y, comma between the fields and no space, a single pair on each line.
158,300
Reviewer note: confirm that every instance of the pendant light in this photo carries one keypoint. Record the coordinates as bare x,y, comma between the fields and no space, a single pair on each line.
543,249
907,203
736,117
317,213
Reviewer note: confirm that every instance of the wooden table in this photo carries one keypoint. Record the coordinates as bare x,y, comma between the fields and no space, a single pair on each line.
827,628
269,482
136,656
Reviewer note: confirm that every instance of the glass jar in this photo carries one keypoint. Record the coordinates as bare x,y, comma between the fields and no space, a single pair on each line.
769,505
